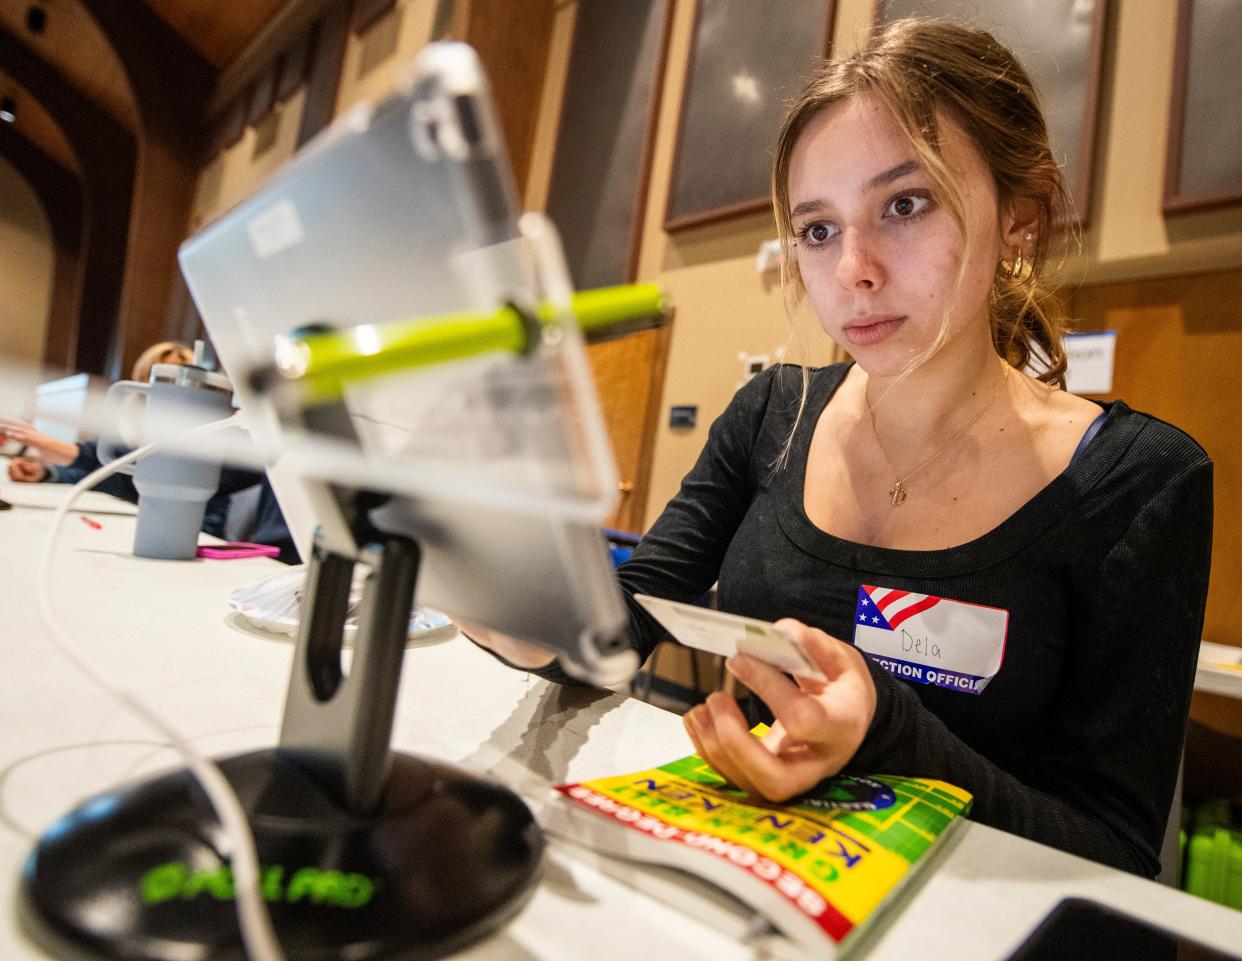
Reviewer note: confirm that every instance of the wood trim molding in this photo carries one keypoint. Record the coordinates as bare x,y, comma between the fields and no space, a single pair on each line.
366,12
262,95
170,77
282,32
720,213
648,149
1088,139
327,56
293,68
1177,104
229,126
651,424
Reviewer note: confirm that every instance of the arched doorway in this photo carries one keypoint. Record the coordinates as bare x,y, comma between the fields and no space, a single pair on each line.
27,260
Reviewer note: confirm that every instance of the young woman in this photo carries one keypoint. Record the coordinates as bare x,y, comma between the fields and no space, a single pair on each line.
1002,583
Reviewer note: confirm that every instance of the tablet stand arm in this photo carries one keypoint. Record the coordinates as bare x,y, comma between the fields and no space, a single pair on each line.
338,725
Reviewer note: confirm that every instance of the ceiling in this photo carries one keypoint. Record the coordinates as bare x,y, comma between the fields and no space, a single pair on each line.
73,43
36,125
218,29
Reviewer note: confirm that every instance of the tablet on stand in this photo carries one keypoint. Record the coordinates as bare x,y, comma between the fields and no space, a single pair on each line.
403,338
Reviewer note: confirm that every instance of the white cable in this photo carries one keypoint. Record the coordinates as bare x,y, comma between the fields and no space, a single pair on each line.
258,936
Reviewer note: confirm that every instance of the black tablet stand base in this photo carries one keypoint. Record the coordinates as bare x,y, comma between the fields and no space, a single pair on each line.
136,874
365,855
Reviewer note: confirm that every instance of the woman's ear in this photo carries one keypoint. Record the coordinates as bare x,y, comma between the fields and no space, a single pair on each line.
1020,226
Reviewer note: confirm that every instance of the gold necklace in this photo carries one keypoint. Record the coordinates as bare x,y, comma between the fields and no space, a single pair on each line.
897,496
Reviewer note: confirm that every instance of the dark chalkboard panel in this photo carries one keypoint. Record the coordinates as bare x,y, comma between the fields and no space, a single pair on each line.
603,147
1204,166
748,59
1059,42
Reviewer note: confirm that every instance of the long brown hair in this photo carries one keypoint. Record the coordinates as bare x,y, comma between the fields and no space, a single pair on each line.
919,68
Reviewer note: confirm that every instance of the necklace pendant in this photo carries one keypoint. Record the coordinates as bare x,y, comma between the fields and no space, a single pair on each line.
897,495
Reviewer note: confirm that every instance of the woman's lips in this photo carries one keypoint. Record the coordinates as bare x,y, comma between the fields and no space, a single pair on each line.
870,330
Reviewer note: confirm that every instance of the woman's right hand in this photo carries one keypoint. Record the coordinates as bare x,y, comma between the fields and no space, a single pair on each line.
518,653
819,724
23,470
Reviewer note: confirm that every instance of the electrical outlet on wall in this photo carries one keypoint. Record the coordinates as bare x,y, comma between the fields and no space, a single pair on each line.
752,364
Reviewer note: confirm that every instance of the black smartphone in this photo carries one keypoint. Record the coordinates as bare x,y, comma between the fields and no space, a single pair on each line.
1082,930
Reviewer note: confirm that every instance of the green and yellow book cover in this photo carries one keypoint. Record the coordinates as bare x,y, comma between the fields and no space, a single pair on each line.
833,855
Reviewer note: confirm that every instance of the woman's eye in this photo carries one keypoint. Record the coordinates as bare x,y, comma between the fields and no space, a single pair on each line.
816,234
907,206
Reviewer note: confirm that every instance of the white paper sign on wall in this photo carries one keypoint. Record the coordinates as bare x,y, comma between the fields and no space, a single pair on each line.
1090,362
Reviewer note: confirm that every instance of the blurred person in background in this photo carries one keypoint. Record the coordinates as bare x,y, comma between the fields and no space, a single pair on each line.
59,462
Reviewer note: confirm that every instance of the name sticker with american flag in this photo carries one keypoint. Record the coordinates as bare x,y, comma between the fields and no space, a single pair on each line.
931,640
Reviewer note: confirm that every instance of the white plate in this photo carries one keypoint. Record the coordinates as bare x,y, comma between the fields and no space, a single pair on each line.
272,604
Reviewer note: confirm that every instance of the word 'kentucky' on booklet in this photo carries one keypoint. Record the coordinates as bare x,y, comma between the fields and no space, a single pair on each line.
819,868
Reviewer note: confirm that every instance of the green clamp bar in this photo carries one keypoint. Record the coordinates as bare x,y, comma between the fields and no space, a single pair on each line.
325,361
597,310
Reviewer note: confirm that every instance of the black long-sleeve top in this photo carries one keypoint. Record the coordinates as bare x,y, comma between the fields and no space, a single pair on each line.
1076,741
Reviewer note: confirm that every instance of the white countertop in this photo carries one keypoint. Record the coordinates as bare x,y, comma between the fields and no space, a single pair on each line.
165,628
49,496
1220,669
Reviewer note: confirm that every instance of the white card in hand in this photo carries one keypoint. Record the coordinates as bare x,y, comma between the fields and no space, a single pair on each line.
727,634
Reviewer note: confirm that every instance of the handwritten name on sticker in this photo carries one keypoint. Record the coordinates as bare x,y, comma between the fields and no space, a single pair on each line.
927,639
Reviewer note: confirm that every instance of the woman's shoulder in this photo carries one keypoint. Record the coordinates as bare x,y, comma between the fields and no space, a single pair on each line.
782,379
1152,440
765,410
781,391
1141,457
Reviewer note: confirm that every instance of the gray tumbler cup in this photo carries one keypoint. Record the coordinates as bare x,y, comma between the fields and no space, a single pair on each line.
173,489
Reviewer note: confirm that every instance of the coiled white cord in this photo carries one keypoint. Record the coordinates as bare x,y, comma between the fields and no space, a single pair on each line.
258,936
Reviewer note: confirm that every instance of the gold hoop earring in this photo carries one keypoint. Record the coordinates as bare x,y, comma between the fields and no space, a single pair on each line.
1016,270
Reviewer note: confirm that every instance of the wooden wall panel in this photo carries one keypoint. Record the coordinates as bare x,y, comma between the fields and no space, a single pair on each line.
1179,356
629,378
171,82
516,70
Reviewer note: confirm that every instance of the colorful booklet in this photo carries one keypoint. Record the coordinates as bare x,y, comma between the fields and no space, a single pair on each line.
818,869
